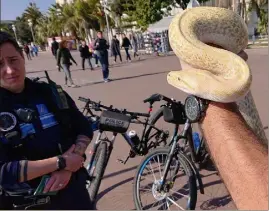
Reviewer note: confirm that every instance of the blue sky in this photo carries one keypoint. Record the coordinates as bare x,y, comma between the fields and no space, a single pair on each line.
10,9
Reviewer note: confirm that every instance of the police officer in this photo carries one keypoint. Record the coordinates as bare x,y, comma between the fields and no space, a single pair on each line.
37,136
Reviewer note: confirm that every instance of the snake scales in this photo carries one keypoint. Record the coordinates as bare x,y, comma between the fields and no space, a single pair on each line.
216,74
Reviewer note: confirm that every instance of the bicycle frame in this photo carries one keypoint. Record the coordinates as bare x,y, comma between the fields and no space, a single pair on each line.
187,130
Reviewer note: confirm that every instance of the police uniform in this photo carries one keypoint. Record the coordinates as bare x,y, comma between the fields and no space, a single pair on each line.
32,127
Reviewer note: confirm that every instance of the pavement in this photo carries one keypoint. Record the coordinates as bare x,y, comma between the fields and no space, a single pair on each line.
131,83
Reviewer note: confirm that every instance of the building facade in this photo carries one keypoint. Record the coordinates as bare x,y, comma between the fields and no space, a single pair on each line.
63,1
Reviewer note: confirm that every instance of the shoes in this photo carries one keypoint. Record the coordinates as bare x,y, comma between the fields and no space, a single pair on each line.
107,80
92,68
74,86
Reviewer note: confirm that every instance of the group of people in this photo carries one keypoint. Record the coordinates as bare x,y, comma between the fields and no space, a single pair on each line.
126,44
98,50
39,137
31,50
63,56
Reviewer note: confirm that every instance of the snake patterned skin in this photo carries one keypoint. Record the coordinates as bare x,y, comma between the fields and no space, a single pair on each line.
217,74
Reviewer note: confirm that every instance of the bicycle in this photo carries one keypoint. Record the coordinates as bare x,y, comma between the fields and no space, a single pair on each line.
164,157
116,121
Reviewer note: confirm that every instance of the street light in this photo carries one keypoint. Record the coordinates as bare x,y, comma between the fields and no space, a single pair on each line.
14,29
31,26
104,3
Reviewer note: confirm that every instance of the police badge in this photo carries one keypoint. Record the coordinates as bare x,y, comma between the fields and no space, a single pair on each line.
7,121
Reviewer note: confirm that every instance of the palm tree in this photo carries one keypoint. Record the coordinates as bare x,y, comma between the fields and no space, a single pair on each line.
33,13
56,20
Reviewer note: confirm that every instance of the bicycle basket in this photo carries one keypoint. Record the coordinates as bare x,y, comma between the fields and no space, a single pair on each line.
114,122
174,114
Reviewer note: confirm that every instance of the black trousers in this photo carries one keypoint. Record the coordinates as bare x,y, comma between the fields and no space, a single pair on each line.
83,62
127,54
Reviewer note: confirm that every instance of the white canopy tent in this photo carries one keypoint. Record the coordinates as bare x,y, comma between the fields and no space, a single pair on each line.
164,23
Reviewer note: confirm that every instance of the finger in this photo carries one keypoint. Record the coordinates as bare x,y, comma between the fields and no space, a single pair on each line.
71,149
58,185
49,184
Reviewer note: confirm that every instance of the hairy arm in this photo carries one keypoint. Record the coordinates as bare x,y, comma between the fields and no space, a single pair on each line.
238,154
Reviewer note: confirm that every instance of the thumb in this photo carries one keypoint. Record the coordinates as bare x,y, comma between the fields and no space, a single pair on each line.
71,149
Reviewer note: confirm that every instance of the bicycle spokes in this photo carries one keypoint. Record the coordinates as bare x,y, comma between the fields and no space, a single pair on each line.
172,195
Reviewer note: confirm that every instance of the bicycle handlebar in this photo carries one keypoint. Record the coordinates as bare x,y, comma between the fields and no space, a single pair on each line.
110,108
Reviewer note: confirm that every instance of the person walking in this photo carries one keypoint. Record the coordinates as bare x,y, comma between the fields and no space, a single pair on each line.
63,58
27,51
54,49
100,46
134,44
115,48
85,54
35,48
125,44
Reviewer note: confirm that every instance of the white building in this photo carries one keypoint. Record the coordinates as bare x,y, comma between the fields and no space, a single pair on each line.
63,1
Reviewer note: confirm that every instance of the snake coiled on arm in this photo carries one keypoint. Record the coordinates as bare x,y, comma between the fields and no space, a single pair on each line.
216,74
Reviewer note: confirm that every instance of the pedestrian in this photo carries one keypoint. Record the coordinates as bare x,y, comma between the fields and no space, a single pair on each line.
27,51
126,44
85,54
31,50
54,49
35,49
115,48
39,138
94,53
134,44
100,46
63,58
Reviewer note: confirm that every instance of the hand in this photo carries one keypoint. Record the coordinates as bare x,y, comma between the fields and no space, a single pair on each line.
73,160
58,181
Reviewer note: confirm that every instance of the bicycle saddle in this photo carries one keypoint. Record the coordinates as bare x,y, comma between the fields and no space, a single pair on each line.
153,98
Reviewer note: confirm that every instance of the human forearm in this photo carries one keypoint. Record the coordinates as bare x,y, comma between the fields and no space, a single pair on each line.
32,169
82,143
238,155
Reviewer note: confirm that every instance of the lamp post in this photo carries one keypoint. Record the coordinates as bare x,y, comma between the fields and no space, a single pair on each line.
104,4
31,27
14,29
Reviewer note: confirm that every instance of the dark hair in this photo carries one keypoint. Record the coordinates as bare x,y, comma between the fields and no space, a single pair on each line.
114,36
100,32
53,39
62,43
5,37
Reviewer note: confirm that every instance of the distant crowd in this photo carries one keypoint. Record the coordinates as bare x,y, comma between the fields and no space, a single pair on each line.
97,49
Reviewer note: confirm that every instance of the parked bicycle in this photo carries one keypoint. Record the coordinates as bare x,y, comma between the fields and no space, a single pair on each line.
117,121
161,167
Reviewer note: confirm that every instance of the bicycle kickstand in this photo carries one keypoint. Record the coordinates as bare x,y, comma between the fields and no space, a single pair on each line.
123,161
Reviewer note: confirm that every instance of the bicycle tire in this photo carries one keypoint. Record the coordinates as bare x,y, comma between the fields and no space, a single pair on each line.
188,170
101,154
152,121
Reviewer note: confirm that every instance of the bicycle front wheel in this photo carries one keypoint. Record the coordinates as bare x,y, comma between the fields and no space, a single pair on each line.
146,192
97,170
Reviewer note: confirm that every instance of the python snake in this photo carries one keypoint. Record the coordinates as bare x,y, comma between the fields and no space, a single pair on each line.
216,74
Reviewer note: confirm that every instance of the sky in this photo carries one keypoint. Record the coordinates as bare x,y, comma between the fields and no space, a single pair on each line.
10,9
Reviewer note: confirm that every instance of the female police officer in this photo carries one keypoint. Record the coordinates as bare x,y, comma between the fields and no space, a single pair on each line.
37,137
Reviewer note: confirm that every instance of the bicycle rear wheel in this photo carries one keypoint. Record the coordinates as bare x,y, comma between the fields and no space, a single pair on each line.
97,170
155,163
